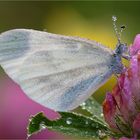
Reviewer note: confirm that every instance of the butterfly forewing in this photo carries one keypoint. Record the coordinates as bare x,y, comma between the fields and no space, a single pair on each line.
56,71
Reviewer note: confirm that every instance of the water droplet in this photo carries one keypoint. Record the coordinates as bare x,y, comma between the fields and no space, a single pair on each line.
101,134
105,125
30,119
83,104
61,127
42,126
97,126
86,122
28,135
83,107
69,120
102,114
31,116
114,18
92,103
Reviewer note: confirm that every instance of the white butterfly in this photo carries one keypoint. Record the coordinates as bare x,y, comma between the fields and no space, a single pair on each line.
59,72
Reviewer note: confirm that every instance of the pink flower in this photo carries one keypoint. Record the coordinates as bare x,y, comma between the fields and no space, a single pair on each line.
121,107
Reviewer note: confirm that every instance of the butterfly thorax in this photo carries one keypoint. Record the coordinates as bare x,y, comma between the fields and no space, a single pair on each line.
120,52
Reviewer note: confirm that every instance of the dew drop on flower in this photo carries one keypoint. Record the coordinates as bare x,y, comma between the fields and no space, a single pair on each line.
69,120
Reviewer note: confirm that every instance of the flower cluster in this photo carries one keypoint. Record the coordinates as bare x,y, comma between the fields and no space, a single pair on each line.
121,107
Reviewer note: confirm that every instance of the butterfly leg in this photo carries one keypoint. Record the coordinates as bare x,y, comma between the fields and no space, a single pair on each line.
127,57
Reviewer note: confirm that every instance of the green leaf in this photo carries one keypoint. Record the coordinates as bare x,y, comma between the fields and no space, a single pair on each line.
70,124
93,107
125,128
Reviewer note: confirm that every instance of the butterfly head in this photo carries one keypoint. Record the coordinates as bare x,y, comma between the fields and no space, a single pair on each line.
121,49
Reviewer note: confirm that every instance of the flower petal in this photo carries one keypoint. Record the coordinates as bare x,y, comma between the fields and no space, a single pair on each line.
135,46
109,110
135,79
136,125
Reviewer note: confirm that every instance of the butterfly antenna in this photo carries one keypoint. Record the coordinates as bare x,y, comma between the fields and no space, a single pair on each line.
118,34
121,30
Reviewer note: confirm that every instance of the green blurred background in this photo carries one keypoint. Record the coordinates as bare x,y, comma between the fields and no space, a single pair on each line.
88,19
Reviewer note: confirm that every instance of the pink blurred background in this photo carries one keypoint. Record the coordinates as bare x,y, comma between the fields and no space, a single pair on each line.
15,111
89,19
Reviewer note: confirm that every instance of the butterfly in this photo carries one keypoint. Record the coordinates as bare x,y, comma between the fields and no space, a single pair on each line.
58,72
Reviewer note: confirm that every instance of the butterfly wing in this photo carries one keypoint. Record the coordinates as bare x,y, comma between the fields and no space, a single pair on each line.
56,71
